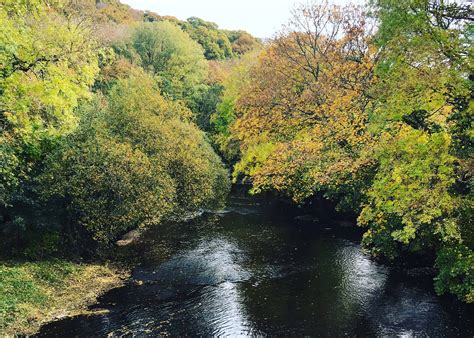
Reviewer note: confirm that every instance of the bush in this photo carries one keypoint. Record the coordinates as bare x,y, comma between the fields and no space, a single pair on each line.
110,186
133,162
455,275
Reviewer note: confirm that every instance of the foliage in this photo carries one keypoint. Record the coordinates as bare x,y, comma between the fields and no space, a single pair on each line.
140,158
99,105
128,190
128,158
379,121
215,43
410,199
172,55
422,199
308,97
206,104
155,125
36,53
455,264
225,113
242,42
38,47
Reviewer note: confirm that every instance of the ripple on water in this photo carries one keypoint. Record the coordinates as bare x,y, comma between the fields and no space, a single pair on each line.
246,273
361,279
213,261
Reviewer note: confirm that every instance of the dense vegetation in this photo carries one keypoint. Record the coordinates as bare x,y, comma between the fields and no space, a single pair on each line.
111,119
99,109
371,108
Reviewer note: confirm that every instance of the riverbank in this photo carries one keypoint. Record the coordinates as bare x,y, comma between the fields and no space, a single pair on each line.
260,268
33,293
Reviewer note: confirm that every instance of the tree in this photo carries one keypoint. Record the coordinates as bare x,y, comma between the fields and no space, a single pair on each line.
421,198
171,54
242,42
164,130
139,156
222,120
38,47
215,43
129,190
307,106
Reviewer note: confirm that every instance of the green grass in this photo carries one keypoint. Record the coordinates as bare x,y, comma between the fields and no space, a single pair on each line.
34,292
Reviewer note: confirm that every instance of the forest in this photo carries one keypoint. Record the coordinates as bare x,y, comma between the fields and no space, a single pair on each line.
115,119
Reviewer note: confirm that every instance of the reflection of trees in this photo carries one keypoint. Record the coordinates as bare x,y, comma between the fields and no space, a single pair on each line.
325,288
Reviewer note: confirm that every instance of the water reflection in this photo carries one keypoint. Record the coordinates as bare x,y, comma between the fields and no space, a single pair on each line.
410,311
223,311
247,272
361,279
215,264
212,261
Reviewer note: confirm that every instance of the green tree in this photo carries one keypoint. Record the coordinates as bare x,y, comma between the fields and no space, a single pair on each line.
164,130
110,186
421,198
215,42
172,55
141,159
226,111
48,62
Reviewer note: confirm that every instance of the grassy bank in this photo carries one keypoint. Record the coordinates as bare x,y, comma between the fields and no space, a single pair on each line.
32,293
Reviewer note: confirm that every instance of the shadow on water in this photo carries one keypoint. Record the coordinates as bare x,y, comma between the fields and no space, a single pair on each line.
256,269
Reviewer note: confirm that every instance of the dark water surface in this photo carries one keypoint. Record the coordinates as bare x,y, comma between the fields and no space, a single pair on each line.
255,270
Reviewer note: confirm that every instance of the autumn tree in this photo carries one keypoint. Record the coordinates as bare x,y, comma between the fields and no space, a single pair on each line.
381,123
242,42
304,114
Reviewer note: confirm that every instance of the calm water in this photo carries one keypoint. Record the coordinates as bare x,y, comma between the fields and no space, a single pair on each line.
254,269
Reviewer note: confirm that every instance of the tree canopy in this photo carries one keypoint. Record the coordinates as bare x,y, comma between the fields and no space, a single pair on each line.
172,55
112,119
372,108
98,139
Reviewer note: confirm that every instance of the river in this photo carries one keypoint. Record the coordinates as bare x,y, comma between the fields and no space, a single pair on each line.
258,269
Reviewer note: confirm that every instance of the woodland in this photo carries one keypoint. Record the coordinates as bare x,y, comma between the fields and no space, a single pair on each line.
114,119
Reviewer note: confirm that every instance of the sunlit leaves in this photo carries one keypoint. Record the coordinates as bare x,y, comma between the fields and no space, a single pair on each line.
309,95
140,158
411,189
48,63
171,54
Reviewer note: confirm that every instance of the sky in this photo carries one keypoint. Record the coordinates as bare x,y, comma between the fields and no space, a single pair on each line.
261,18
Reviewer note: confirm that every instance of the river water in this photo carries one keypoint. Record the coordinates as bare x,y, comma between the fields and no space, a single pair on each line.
258,269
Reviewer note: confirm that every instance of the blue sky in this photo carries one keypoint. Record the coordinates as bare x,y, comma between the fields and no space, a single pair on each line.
261,18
